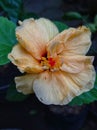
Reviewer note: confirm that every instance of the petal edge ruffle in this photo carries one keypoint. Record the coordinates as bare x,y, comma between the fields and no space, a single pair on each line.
24,61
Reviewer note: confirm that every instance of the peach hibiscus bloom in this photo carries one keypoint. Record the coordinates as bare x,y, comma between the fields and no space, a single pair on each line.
55,65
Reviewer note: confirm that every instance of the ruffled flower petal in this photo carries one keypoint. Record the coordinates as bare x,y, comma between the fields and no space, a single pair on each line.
60,88
71,41
81,82
33,35
56,66
75,64
48,28
24,61
24,84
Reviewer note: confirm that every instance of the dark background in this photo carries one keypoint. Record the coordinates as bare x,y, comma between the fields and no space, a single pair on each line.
31,114
55,9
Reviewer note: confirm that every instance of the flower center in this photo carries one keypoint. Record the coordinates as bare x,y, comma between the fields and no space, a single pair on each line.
49,63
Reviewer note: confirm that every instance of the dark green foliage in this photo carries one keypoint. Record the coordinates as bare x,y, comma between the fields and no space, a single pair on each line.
72,16
12,8
61,26
7,39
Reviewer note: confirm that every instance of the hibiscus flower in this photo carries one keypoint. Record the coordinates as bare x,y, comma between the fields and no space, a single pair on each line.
54,64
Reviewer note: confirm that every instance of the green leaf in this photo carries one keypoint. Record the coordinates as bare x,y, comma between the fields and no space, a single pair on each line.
86,97
7,39
12,8
61,26
92,27
72,16
4,50
13,95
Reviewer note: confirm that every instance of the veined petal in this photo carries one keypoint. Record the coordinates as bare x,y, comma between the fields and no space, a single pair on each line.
48,28
60,88
24,84
81,82
72,41
54,48
33,35
24,61
47,88
75,64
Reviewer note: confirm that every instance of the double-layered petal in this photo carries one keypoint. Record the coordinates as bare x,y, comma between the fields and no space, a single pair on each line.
33,35
56,66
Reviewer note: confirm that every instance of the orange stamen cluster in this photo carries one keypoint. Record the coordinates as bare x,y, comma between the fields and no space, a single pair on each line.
50,63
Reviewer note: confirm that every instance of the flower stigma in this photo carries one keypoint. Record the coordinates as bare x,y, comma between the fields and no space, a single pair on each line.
50,63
